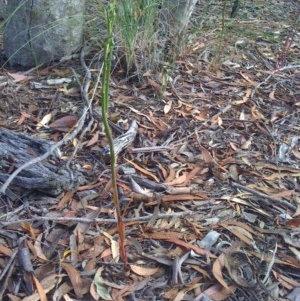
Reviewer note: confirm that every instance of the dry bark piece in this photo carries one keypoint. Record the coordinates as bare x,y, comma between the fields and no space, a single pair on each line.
49,176
121,142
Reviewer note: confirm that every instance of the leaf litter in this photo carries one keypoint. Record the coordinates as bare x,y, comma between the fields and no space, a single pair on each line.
209,188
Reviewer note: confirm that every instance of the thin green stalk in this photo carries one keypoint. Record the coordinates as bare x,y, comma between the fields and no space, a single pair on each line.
108,50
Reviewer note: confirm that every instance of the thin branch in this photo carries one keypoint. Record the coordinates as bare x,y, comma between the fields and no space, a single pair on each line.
270,266
263,195
8,273
94,220
8,264
84,94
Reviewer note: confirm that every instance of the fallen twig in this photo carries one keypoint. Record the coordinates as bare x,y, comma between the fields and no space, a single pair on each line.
93,220
84,90
7,271
262,195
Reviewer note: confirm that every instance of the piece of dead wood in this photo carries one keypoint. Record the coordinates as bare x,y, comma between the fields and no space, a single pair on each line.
32,163
76,220
48,176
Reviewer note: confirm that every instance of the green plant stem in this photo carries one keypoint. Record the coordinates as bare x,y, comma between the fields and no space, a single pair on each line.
108,50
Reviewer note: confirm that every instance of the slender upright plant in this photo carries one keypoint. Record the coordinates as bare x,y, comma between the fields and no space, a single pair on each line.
108,50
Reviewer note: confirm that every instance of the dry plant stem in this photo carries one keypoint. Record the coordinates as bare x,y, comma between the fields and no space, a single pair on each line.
265,196
177,277
8,272
141,219
84,94
14,213
8,265
288,43
270,266
150,149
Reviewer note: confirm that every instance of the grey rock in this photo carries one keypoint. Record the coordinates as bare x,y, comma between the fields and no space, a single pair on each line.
41,31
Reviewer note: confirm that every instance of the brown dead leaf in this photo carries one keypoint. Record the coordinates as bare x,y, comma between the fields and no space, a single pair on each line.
193,173
148,73
217,292
19,77
87,167
184,197
40,289
153,83
162,169
174,237
256,113
74,277
106,253
181,180
73,91
64,124
207,157
142,170
246,77
93,140
171,293
159,123
38,248
233,146
215,119
6,251
48,283
201,271
180,295
62,290
245,98
218,265
27,226
171,175
89,186
187,176
284,281
143,271
24,115
272,95
294,222
241,233
13,297
65,199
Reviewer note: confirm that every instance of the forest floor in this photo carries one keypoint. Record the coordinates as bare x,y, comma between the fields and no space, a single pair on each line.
209,189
